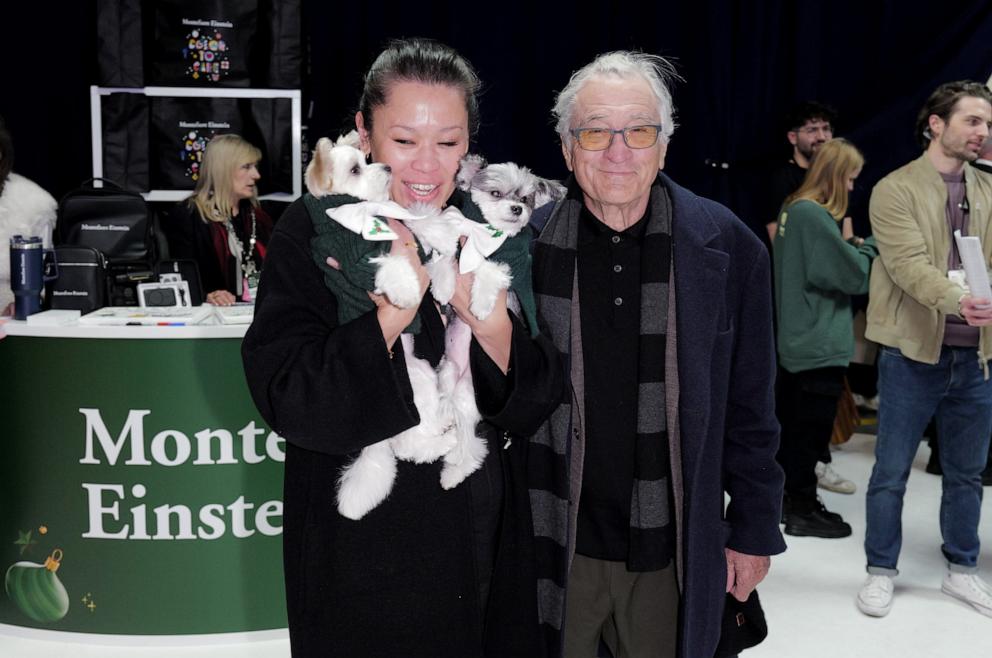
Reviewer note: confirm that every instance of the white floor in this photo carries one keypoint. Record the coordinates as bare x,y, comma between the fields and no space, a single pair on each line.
809,593
808,596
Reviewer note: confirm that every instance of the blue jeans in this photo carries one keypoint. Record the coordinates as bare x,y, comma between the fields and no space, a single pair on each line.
956,391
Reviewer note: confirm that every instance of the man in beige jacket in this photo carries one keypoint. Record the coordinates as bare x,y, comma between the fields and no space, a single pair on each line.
935,342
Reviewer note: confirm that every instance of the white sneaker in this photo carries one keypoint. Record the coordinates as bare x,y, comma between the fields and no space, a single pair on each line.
829,479
875,597
970,588
861,402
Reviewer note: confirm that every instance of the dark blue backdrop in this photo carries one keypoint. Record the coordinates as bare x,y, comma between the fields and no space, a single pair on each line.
743,64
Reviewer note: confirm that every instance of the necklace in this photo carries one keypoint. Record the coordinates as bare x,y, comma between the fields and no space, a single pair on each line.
247,264
245,272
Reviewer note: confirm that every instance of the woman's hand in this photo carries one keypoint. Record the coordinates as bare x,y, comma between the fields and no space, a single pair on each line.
221,298
847,228
493,333
393,319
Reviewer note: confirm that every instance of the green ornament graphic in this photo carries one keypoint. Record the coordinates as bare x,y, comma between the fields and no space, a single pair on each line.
36,590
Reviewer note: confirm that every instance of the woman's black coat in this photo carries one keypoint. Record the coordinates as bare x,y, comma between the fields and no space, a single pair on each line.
410,578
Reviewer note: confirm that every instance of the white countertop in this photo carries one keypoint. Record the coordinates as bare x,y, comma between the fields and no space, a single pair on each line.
21,328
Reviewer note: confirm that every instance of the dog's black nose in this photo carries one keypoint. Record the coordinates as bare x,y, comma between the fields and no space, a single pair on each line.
388,169
517,210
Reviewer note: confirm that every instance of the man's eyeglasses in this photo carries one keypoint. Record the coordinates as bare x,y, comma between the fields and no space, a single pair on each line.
600,139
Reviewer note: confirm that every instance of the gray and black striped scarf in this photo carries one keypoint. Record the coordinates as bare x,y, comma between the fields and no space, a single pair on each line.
558,447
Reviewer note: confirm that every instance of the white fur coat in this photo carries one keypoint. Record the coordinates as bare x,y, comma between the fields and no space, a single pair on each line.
25,209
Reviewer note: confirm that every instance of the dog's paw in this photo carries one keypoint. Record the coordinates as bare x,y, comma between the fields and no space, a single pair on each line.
443,277
421,447
490,278
468,457
367,481
396,279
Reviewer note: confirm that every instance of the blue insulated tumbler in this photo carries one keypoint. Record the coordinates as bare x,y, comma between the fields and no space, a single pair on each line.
27,278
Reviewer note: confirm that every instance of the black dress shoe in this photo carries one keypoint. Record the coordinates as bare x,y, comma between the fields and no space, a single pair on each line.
786,506
812,519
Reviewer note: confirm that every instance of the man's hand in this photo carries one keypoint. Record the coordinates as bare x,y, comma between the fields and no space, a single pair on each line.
976,312
744,572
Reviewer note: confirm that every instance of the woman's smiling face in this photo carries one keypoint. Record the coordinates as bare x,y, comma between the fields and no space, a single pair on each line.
421,132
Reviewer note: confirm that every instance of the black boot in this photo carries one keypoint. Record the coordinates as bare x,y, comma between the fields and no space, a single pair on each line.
807,517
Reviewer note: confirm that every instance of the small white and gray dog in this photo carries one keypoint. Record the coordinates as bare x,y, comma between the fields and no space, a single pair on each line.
507,195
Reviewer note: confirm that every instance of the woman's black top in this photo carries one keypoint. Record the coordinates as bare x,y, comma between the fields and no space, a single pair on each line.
206,242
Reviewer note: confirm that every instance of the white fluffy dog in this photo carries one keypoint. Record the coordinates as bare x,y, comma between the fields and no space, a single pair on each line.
340,168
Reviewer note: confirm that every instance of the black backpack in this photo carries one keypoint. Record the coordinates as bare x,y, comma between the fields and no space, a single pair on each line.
119,224
115,221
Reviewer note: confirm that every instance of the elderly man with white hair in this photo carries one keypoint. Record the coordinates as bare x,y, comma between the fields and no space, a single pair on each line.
661,299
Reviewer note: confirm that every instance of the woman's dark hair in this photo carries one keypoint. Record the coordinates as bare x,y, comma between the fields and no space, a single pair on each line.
420,60
942,102
6,154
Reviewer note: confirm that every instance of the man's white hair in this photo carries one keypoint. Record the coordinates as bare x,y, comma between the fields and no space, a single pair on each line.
657,71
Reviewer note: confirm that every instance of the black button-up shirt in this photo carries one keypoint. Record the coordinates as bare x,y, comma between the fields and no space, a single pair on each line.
609,272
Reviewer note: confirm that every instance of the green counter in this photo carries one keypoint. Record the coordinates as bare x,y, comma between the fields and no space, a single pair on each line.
141,467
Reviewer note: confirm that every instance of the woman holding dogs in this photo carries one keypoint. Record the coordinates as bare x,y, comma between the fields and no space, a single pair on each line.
221,226
429,572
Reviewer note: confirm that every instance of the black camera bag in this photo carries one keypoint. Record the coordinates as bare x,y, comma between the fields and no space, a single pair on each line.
81,284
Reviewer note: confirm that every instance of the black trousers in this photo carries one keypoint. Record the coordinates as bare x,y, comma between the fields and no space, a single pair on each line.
806,404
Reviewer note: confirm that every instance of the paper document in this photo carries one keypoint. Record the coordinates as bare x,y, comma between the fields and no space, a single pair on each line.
237,314
149,315
54,318
973,262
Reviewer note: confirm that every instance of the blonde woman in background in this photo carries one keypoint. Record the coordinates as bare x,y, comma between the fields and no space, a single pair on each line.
819,264
221,226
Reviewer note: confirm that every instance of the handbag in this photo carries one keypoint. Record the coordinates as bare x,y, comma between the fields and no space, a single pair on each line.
847,420
82,280
743,626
